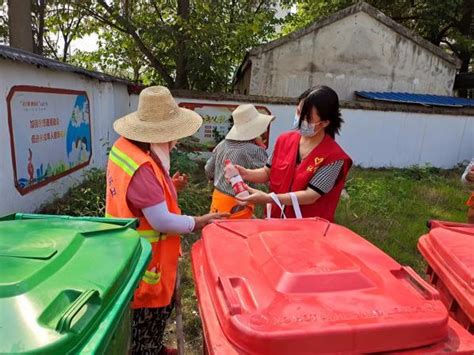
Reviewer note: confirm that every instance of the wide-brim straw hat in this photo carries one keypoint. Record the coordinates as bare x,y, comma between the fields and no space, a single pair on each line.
248,123
158,118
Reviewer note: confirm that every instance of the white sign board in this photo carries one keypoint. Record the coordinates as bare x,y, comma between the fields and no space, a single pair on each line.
217,120
49,132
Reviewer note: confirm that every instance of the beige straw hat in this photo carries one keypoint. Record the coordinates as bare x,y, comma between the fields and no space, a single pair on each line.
248,123
158,118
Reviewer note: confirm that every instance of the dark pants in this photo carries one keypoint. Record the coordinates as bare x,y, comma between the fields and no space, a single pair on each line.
148,327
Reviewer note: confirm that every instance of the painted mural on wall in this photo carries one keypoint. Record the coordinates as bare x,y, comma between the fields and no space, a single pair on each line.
217,120
50,133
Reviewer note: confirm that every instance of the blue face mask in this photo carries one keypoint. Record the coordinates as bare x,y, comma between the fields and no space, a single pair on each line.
309,129
296,121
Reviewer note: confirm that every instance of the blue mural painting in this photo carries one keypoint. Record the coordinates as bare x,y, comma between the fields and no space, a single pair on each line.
78,137
59,135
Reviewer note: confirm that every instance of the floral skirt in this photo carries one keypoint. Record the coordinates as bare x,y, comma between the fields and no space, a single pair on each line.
148,327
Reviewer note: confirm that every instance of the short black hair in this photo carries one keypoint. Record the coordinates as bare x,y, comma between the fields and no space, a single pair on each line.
326,102
305,93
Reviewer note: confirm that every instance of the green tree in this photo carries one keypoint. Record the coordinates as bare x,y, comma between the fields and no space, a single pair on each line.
184,44
3,23
118,55
447,23
57,23
54,23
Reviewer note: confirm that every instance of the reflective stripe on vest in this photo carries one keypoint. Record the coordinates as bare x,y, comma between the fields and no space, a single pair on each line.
151,277
150,235
123,161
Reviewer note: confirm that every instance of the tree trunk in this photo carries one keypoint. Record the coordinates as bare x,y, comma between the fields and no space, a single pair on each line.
136,73
181,81
19,22
67,42
465,56
40,40
465,27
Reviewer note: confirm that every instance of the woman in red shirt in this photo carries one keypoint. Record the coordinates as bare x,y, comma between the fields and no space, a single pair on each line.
306,161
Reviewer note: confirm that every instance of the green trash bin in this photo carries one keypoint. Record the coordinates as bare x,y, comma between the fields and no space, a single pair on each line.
66,283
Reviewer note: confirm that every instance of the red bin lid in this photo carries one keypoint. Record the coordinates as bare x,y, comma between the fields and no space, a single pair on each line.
459,341
300,286
449,250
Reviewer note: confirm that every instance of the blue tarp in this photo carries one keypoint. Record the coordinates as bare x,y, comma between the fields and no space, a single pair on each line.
420,99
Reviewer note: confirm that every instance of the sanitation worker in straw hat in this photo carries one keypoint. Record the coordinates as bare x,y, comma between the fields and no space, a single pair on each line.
241,146
139,186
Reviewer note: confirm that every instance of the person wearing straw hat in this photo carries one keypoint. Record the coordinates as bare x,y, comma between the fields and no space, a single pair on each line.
241,146
139,186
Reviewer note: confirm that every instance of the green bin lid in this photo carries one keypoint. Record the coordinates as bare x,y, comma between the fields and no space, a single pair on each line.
60,277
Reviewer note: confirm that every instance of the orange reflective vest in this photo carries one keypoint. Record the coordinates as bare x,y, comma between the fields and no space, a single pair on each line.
223,203
157,286
470,201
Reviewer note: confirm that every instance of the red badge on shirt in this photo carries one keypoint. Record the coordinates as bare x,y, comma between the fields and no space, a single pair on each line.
317,163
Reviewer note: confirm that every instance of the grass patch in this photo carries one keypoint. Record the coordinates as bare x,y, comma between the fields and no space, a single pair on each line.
389,207
84,199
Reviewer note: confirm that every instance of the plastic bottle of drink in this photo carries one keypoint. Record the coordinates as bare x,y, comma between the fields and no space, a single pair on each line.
232,175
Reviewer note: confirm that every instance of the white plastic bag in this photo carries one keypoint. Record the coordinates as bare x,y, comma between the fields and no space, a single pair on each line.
294,201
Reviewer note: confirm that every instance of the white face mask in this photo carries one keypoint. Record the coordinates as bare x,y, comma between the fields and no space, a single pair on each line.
296,120
162,151
309,129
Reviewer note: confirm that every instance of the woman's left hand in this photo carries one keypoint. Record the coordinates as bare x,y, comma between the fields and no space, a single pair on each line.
180,181
256,197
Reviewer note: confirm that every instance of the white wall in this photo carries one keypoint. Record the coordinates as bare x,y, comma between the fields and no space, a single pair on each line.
107,101
401,139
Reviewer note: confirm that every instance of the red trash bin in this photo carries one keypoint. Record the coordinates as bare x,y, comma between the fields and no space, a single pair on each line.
449,250
306,287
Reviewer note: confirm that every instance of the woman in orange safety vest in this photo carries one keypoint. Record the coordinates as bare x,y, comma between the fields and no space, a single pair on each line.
139,186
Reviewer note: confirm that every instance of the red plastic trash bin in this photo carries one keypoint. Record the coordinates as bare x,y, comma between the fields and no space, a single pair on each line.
306,287
449,250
